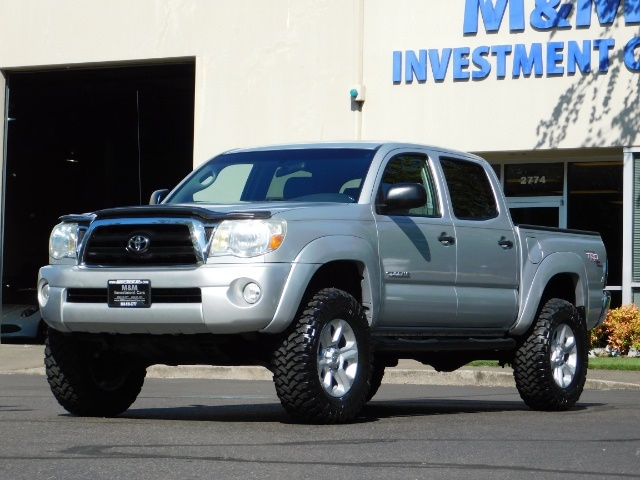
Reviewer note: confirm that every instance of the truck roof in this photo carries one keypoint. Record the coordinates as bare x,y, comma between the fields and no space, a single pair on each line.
365,145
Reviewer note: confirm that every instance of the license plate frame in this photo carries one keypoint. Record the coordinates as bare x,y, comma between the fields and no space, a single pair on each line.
129,293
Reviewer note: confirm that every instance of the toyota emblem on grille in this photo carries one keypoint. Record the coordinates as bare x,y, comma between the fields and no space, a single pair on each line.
138,244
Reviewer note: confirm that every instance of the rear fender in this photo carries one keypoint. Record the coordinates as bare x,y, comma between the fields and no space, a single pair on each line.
552,265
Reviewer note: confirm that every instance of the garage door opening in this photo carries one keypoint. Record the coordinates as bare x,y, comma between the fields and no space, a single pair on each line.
79,140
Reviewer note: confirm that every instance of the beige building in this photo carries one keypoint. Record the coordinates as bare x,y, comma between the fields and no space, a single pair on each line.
107,101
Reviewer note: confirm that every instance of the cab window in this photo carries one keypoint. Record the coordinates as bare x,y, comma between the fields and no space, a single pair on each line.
470,190
412,168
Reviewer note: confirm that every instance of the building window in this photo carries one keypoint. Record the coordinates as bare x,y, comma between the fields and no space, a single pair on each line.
534,180
539,216
636,226
594,202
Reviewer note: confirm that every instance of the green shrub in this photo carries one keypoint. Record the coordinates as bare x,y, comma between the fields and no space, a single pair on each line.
620,330
598,336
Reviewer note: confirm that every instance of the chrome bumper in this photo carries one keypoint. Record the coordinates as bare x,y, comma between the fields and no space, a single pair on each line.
222,309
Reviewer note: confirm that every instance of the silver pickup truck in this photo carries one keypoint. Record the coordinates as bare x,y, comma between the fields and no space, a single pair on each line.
325,263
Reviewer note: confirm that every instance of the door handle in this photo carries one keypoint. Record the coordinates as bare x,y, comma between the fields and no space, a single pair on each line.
504,243
446,239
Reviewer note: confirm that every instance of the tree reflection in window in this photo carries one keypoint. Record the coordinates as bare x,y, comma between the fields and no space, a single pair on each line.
471,194
412,168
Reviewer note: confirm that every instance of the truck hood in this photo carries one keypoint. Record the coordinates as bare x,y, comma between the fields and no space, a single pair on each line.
203,211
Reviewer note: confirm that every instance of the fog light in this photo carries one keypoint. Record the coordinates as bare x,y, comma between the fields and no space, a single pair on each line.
251,293
43,294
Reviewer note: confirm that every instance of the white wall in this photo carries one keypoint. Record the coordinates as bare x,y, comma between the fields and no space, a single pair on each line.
267,71
280,70
590,110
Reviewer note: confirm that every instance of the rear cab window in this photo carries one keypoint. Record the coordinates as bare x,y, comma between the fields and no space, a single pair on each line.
472,197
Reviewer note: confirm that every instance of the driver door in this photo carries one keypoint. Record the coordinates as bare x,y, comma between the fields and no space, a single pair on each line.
418,258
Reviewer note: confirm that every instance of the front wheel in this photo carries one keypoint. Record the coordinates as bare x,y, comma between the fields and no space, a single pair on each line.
550,368
86,385
376,378
322,369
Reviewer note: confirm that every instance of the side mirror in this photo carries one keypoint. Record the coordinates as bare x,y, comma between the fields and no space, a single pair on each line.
158,196
403,196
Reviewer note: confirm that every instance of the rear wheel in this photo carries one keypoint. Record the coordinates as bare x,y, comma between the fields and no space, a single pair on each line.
322,369
86,385
550,368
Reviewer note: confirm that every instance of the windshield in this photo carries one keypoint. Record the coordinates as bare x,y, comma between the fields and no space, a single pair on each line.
314,175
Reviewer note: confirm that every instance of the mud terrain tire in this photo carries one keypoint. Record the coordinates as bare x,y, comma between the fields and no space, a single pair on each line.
322,369
550,367
85,386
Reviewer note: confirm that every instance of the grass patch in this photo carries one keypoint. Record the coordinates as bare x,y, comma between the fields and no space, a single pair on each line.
614,363
484,363
595,363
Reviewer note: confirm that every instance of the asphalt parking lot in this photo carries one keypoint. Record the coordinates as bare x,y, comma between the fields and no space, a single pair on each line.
199,428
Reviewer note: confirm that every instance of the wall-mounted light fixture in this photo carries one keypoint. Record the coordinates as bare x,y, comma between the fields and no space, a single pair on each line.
357,93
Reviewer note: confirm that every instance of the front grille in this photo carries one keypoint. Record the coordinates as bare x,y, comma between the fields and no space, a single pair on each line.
168,244
158,295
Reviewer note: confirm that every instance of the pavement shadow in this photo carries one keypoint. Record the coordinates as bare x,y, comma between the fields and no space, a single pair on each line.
428,407
249,413
377,410
372,412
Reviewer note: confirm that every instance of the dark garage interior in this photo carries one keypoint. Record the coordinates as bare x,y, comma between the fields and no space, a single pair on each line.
80,140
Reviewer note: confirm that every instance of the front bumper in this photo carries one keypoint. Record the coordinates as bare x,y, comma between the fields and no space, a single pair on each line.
222,309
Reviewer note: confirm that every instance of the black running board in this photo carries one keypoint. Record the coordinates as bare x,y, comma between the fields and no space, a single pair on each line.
413,344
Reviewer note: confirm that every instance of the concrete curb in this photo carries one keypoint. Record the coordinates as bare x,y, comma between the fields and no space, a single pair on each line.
479,378
209,373
393,376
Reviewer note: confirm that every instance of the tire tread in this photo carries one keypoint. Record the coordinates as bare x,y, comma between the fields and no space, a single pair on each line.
71,384
294,363
531,366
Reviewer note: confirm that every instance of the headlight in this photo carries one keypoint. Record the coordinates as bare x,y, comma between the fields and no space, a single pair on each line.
247,238
63,241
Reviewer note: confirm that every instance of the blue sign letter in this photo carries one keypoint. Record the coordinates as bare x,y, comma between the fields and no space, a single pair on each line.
439,65
545,16
397,66
632,11
481,62
501,52
525,62
606,9
413,65
581,58
461,63
603,46
629,54
492,15
554,55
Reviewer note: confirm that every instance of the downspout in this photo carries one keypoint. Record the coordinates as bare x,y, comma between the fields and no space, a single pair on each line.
4,108
356,105
628,180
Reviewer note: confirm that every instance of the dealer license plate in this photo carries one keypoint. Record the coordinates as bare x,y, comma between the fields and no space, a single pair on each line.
129,293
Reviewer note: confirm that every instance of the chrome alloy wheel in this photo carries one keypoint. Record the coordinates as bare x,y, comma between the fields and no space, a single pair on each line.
564,355
337,357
